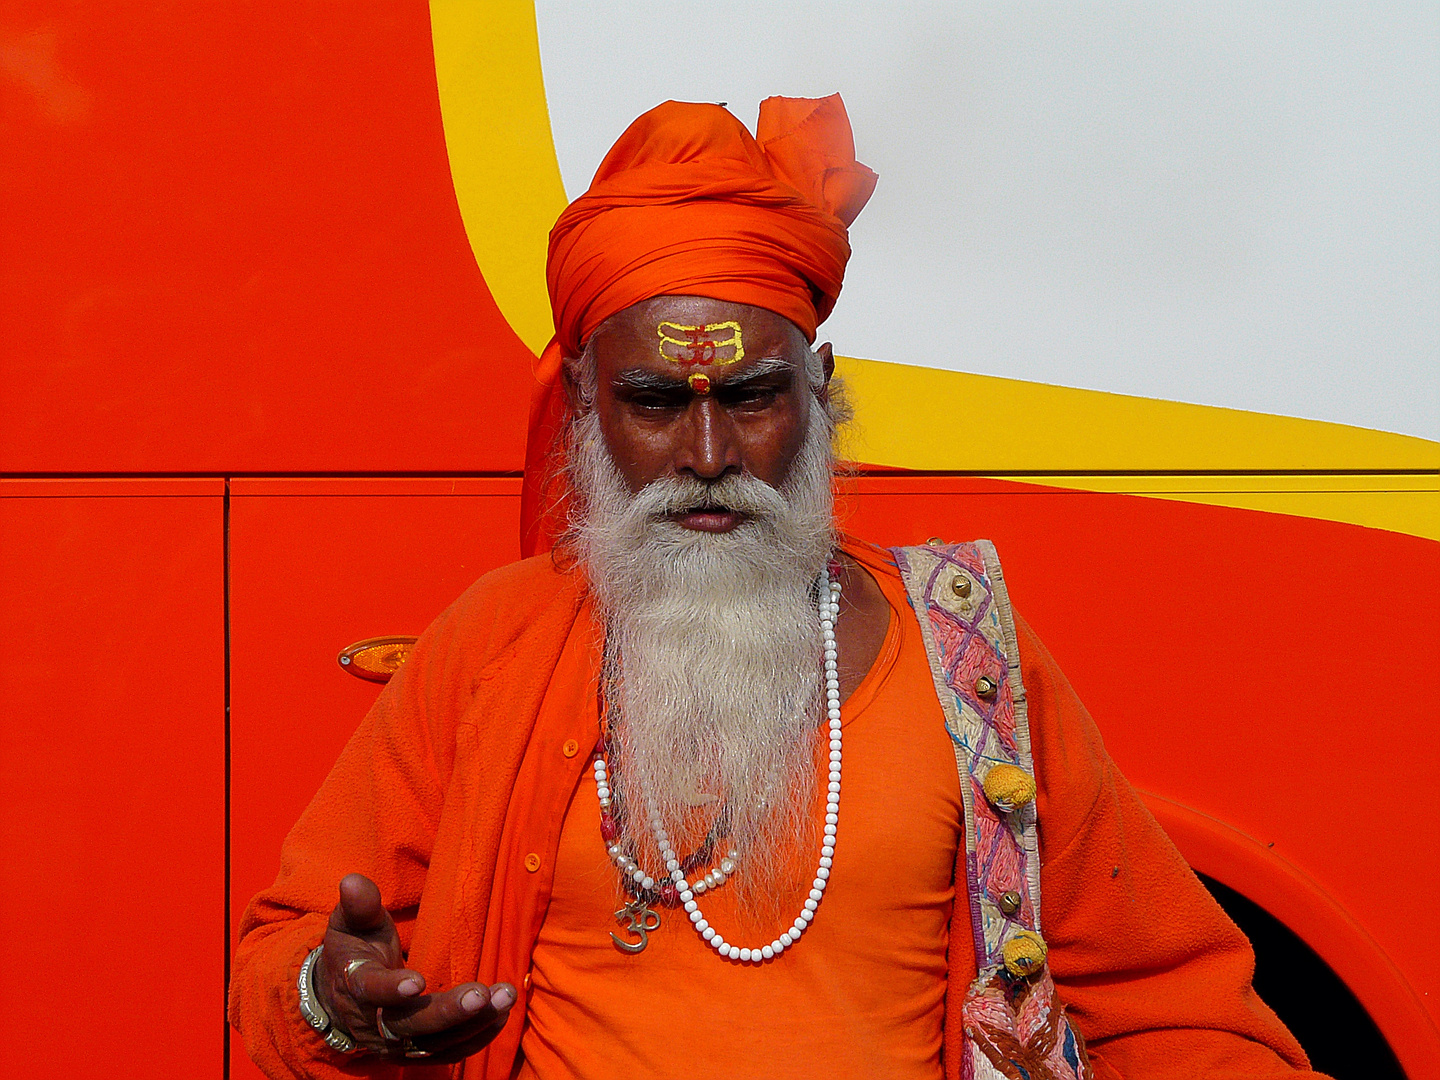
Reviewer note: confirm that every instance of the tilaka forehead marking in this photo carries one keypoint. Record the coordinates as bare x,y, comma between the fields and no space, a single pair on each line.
719,343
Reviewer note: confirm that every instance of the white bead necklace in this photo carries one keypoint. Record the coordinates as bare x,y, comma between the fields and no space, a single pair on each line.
829,606
631,868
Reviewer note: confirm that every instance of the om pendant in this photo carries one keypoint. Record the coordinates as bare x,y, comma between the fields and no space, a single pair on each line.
640,920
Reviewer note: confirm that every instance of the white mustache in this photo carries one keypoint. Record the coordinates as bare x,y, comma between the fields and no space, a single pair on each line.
740,492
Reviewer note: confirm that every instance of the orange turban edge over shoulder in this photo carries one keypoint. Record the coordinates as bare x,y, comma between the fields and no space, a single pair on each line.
689,203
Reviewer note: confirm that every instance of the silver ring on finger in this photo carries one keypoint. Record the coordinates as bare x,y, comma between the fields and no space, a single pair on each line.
413,1051
385,1033
353,966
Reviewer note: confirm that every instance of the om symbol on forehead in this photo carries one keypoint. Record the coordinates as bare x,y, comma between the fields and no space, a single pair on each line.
720,343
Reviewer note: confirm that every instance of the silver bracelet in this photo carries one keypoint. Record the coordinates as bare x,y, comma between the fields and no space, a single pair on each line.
314,1013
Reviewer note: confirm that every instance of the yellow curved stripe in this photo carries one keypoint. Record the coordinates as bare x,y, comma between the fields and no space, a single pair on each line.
923,418
502,157
507,183
913,417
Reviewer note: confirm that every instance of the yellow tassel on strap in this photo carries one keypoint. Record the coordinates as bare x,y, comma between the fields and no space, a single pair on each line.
1024,954
1009,787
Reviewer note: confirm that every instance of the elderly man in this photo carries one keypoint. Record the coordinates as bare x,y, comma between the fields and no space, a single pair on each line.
707,785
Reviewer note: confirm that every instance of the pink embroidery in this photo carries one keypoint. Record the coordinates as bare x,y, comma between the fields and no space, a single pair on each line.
999,857
977,659
1021,1029
1015,1027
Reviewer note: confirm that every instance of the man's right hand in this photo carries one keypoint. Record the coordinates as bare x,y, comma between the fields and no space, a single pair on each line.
362,973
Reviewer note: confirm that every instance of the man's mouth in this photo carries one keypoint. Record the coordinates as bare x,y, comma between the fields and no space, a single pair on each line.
715,519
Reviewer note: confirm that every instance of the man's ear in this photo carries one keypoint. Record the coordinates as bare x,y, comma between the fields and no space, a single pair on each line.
827,365
578,405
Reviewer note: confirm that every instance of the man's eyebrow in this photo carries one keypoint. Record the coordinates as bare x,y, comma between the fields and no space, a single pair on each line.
640,379
761,369
643,379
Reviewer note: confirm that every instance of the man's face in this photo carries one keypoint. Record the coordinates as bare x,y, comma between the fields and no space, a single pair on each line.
692,387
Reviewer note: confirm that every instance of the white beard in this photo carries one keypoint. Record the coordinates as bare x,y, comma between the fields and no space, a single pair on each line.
713,656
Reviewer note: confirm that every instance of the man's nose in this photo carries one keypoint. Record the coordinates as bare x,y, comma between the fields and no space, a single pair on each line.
709,447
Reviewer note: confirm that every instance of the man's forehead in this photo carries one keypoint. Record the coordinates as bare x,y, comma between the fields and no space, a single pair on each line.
697,333
716,344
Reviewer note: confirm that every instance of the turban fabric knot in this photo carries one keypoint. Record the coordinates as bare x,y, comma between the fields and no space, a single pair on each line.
688,202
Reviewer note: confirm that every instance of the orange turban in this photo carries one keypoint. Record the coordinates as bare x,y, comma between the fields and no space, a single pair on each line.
688,203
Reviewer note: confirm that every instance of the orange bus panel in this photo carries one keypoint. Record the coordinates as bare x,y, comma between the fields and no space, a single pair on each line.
241,248
112,764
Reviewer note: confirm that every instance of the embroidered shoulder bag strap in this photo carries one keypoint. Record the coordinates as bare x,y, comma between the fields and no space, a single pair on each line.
1015,1027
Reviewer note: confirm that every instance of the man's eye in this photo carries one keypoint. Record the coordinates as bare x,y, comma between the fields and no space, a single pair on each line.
752,396
654,401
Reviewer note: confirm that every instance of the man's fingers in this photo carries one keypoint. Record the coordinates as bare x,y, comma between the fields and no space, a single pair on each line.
360,910
372,983
461,1012
445,1049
